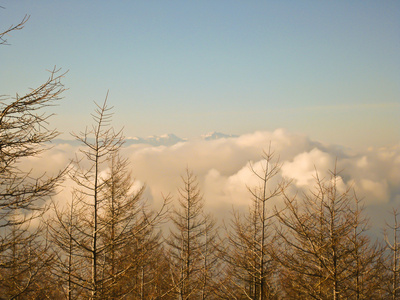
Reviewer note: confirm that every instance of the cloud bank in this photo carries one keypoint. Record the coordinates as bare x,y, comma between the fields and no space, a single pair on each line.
222,168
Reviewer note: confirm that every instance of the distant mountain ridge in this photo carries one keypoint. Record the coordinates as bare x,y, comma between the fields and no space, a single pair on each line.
217,135
155,140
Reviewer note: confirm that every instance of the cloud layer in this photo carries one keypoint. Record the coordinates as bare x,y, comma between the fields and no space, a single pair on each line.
222,168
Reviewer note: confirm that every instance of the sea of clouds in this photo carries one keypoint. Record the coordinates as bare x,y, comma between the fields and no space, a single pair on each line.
222,167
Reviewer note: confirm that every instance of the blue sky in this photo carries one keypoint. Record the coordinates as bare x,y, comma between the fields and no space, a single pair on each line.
330,70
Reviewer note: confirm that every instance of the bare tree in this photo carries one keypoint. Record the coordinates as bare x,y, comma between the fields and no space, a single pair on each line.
24,133
365,269
190,242
19,26
392,264
109,231
324,252
100,144
211,264
121,222
250,267
129,235
67,266
25,264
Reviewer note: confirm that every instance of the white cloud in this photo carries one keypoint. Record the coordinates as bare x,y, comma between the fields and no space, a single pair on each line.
302,169
378,190
222,167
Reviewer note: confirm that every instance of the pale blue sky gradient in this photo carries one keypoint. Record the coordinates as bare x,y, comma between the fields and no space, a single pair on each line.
330,70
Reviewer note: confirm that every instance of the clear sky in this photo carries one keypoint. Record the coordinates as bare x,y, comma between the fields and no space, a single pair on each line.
327,69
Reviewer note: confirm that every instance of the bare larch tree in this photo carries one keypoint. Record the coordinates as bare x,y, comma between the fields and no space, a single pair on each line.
189,242
322,237
250,269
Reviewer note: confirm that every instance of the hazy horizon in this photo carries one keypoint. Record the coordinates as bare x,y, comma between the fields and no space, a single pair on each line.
328,70
222,168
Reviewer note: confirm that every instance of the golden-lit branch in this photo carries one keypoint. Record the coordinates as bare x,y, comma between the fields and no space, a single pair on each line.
19,26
